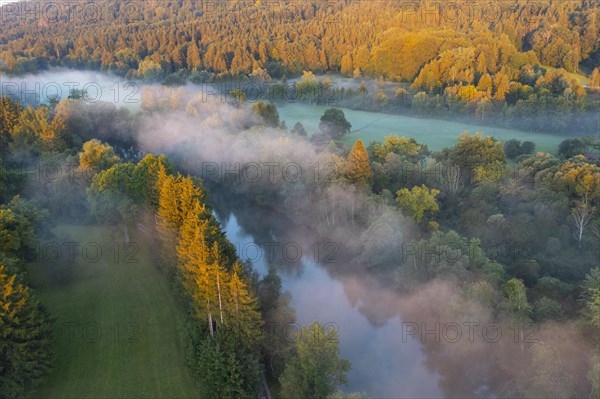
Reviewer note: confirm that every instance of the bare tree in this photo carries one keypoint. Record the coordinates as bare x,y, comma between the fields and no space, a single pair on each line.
452,179
582,214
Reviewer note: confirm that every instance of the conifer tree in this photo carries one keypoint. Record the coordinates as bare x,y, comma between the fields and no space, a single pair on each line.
242,307
177,196
220,276
358,167
346,65
166,218
24,338
9,117
195,266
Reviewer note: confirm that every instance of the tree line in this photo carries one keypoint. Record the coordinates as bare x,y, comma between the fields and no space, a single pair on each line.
288,37
228,307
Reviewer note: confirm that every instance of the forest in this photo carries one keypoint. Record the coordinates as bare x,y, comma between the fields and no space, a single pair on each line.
483,232
525,225
516,63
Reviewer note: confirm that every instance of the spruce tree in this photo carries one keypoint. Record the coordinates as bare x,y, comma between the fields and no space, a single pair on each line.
24,338
242,307
166,220
194,266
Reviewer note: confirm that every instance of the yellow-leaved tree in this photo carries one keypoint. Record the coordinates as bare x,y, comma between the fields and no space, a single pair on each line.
419,203
358,166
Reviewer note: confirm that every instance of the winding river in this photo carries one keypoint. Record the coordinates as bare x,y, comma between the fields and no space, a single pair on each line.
367,313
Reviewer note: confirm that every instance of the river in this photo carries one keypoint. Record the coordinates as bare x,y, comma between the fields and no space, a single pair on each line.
369,315
355,304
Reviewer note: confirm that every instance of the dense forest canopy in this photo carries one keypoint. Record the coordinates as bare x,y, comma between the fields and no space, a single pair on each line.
394,39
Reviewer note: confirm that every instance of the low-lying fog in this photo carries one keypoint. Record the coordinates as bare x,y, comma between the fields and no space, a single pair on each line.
399,344
370,126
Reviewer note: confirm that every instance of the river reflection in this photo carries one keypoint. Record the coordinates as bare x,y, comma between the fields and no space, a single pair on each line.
384,363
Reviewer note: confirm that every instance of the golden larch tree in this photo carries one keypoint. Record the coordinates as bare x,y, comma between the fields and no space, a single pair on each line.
358,167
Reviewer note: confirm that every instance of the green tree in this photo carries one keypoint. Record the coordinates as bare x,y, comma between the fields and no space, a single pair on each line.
299,129
15,232
527,147
20,222
333,122
407,148
239,96
419,202
9,116
358,166
547,377
268,112
480,159
591,298
515,304
516,299
317,369
276,310
308,87
512,148
569,148
149,69
145,177
114,196
547,309
24,338
227,369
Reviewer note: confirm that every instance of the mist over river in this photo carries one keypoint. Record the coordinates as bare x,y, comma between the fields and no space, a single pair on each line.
375,322
394,339
355,305
57,83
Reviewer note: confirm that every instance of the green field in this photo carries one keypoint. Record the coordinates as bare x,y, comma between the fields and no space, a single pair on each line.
437,134
118,330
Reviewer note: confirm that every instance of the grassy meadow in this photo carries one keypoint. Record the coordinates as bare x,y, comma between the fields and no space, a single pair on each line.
119,330
437,134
